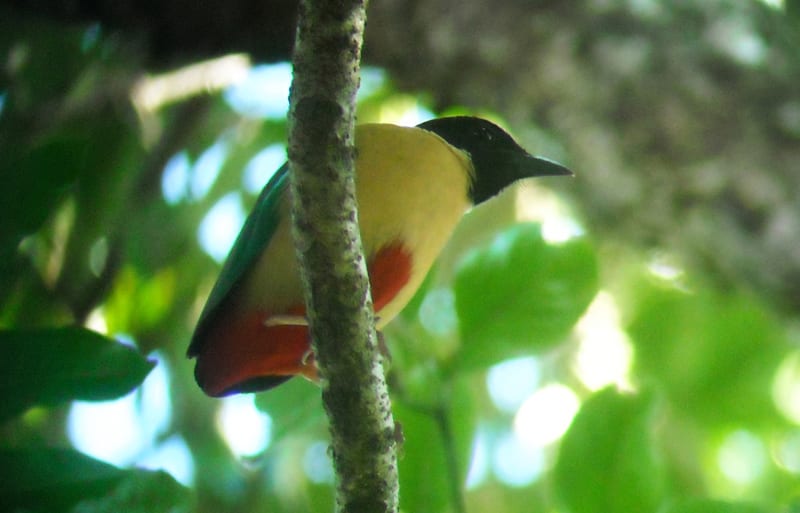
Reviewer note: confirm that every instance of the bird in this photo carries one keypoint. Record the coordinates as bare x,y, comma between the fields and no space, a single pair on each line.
413,185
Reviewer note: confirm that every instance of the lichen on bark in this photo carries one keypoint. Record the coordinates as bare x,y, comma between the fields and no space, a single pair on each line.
333,268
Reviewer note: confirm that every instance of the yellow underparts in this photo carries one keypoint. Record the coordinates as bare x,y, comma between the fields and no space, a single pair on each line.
411,188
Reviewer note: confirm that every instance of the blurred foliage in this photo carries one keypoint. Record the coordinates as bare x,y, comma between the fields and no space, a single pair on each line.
53,479
58,365
556,282
607,461
88,239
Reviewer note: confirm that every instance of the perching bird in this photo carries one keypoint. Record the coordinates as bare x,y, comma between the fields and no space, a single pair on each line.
412,187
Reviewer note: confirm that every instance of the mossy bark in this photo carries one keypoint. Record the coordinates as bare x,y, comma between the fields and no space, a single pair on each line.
334,271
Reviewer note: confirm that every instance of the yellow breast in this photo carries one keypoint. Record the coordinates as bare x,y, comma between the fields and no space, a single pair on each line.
411,188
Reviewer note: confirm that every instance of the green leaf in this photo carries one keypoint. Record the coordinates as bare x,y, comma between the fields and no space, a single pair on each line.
141,491
295,406
711,506
714,354
34,182
435,453
422,462
521,293
53,59
462,415
606,462
51,366
792,10
47,479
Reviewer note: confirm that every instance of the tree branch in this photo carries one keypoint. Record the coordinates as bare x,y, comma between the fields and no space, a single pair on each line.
321,156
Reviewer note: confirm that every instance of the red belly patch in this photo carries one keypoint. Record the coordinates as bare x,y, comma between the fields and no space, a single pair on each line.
389,271
242,352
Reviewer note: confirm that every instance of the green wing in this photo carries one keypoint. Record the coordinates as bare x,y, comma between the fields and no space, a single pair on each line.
250,243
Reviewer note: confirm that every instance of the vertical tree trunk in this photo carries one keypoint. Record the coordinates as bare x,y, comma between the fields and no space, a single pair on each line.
321,156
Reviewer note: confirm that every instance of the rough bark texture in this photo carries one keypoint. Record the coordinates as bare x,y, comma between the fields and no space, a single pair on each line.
321,155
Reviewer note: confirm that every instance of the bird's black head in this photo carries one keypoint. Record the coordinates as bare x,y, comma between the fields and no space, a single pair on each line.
496,157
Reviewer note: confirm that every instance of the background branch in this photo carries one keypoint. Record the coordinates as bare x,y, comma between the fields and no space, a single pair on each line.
321,155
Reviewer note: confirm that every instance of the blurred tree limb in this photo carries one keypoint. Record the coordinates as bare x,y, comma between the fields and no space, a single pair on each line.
333,267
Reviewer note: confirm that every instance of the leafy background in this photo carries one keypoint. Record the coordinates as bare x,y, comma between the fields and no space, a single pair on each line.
546,365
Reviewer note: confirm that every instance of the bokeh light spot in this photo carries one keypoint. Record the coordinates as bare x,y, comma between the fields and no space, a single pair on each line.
605,353
317,463
479,464
262,166
665,267
545,416
119,431
219,228
372,80
516,463
246,429
264,93
207,168
787,452
742,457
98,256
558,229
175,178
786,387
172,456
437,313
512,381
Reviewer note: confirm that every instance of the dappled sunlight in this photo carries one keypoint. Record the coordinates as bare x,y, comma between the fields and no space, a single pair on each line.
317,463
175,178
206,169
173,456
437,312
511,382
545,416
263,93
403,111
155,91
742,457
123,430
786,452
97,321
262,166
109,431
49,256
604,353
479,465
558,229
666,268
221,225
739,39
245,428
515,462
98,256
534,202
786,387
540,204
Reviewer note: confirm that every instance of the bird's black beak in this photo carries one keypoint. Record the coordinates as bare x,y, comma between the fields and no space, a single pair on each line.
529,166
